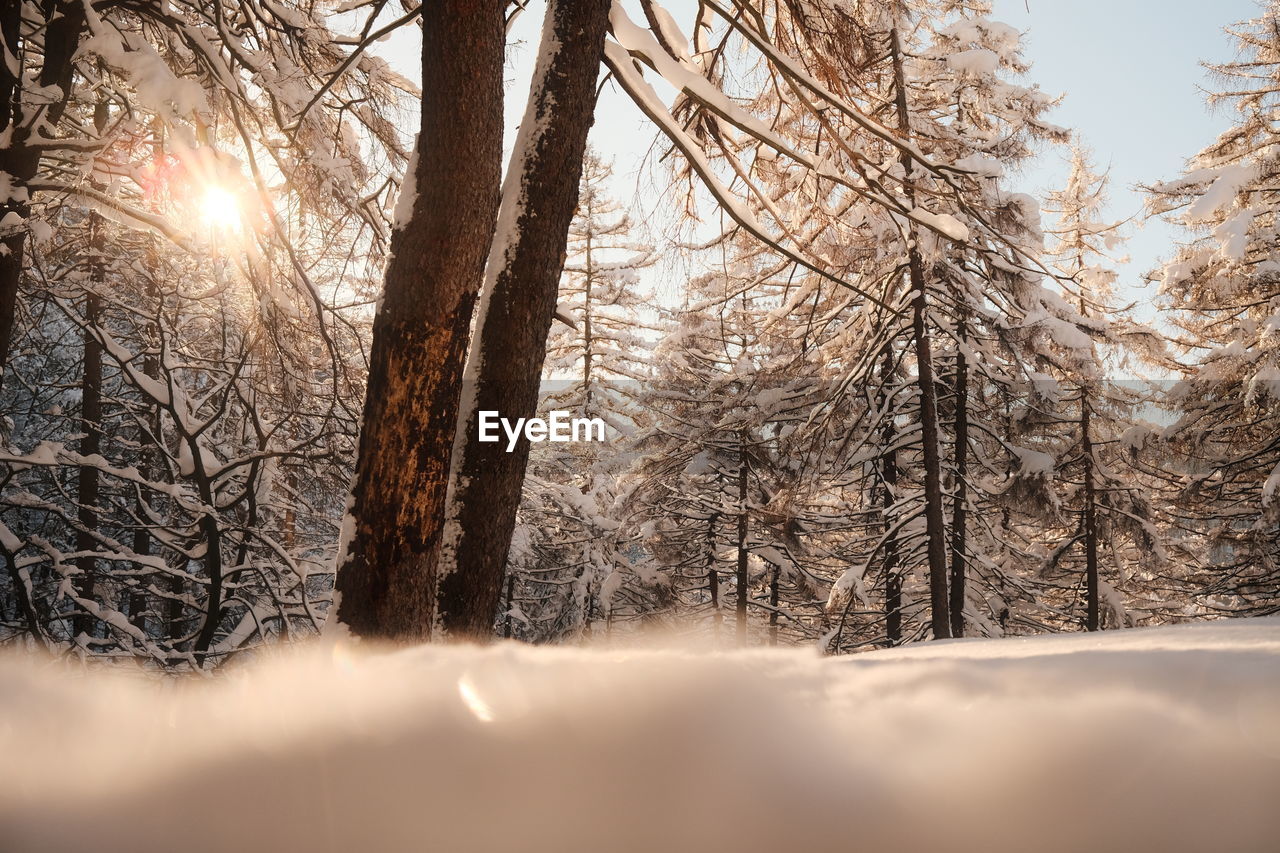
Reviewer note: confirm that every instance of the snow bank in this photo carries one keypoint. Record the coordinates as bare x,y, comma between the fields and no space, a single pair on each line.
1137,740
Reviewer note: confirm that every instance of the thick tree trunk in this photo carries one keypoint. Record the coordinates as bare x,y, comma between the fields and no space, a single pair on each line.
387,578
540,197
930,438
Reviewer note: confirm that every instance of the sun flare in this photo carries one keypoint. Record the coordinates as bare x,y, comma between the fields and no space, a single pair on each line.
221,209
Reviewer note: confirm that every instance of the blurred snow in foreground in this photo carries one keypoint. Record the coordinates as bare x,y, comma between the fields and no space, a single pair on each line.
1136,740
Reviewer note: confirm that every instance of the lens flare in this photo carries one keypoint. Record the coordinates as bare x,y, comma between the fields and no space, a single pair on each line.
221,209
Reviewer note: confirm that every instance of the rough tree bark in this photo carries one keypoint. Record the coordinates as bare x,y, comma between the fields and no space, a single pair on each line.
387,577
522,280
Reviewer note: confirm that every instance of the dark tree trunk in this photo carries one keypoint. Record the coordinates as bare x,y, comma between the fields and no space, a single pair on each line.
213,567
888,497
713,576
930,438
148,463
387,579
1092,620
542,191
740,613
87,484
773,606
959,519
65,24
511,602
20,163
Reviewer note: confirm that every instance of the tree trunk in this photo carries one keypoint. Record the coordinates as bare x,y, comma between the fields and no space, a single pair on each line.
713,576
888,497
511,602
87,485
741,603
1092,621
773,606
960,500
387,577
930,439
588,337
539,200
21,161
213,567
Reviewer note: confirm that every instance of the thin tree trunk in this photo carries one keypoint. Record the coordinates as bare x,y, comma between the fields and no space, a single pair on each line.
26,603
20,163
713,576
588,338
888,496
387,579
141,548
540,197
930,439
18,158
741,603
773,606
959,506
1092,621
511,596
87,484
213,567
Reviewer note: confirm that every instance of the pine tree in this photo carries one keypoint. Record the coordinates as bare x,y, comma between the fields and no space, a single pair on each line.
568,541
1104,486
1223,289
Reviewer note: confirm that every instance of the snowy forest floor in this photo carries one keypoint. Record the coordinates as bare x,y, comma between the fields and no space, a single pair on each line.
1155,739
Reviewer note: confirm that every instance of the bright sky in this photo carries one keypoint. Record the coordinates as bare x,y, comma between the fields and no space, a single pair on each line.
1130,70
1134,86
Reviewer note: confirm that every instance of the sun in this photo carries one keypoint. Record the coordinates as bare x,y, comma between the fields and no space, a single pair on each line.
221,209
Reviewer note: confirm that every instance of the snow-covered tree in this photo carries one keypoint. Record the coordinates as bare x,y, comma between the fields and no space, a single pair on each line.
1109,546
194,207
568,541
1223,291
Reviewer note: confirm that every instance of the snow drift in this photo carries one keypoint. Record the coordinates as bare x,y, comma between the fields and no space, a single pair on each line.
1163,739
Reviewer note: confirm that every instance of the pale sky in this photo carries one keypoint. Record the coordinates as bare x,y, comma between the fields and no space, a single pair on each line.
1131,73
1130,70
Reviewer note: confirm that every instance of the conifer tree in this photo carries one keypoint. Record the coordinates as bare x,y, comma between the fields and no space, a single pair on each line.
1223,289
